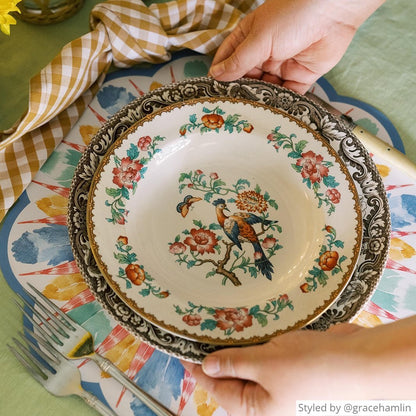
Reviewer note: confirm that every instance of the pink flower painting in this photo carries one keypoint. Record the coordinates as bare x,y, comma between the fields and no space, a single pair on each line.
201,240
127,173
144,143
312,167
230,318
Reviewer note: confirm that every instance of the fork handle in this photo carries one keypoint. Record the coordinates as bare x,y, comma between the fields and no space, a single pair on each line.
96,404
107,366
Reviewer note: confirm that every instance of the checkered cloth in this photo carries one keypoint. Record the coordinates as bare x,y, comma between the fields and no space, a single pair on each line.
125,32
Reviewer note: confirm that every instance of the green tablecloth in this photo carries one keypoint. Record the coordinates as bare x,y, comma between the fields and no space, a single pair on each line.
378,68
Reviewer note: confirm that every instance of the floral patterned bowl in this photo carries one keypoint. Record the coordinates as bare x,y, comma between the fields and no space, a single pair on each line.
224,221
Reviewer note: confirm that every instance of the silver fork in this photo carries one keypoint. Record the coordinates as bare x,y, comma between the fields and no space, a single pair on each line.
74,342
61,379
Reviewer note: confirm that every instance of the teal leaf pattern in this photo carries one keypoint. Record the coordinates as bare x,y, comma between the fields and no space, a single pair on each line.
133,273
327,264
231,320
127,172
314,170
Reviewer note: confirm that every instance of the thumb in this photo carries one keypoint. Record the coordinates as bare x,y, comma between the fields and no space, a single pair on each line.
238,56
344,328
233,362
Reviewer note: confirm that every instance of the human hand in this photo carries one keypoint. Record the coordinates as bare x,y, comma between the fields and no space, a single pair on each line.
290,42
347,362
267,379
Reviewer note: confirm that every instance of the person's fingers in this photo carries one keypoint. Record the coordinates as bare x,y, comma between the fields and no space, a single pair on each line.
238,397
241,62
240,363
297,76
296,86
229,45
255,73
241,54
272,78
301,71
189,366
344,328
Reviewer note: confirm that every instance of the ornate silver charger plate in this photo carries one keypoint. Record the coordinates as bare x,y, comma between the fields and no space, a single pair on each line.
373,201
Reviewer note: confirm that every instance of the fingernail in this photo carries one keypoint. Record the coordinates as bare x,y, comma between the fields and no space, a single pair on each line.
217,70
211,366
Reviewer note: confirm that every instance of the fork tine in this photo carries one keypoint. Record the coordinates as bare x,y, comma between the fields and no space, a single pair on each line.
60,380
80,344
29,334
50,321
51,335
52,360
38,338
27,359
61,327
38,353
66,319
24,361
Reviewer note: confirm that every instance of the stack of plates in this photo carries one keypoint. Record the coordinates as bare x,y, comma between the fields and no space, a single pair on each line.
208,214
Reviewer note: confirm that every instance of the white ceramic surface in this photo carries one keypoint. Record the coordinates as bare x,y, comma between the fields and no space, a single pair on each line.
224,221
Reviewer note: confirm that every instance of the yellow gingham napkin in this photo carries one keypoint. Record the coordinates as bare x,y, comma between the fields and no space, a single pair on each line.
125,32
